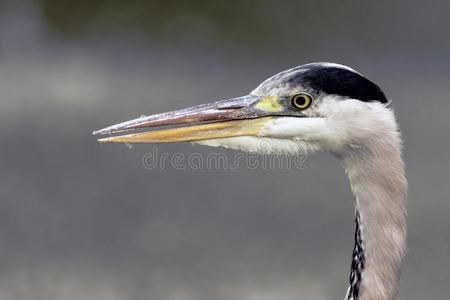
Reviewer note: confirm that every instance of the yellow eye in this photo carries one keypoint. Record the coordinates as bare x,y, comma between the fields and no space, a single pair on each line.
301,101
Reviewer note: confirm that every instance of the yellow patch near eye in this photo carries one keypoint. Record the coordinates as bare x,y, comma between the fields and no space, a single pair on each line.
269,104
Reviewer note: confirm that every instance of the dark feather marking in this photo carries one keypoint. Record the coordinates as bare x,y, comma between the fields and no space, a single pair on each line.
358,263
334,80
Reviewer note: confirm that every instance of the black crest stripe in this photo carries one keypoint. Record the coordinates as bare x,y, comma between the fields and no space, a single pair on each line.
335,80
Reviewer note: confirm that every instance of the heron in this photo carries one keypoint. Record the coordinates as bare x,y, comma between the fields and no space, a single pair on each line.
313,107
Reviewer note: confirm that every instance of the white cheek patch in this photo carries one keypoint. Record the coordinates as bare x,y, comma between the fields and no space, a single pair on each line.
315,132
261,145
243,143
290,127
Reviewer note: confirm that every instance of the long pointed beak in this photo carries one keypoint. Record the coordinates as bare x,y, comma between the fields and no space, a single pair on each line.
227,118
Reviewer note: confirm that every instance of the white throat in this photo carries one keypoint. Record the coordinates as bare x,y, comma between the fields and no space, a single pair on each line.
377,177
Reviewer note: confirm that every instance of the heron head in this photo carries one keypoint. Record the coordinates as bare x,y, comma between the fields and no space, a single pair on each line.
318,106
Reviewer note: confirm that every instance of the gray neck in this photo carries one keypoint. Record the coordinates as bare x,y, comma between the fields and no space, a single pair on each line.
376,173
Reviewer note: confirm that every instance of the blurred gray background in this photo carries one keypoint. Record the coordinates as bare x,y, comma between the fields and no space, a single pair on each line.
79,220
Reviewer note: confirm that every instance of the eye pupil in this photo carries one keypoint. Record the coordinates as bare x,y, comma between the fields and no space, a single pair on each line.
301,101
